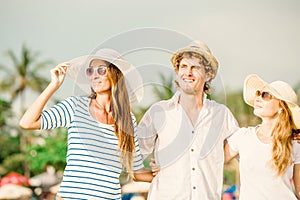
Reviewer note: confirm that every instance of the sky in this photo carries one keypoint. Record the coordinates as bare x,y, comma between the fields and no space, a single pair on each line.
246,36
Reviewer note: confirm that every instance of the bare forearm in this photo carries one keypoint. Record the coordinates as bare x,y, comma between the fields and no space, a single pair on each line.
229,154
31,118
144,175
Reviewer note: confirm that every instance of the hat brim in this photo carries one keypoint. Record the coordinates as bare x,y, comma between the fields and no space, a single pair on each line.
253,83
210,58
133,80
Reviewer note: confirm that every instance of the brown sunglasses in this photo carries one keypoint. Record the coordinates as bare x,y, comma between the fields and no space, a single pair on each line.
266,96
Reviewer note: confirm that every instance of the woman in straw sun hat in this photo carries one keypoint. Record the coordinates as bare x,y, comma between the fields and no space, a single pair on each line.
269,158
101,128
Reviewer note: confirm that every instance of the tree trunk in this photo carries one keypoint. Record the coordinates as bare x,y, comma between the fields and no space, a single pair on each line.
23,139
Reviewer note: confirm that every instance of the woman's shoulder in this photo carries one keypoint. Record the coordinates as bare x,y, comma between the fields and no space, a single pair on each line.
242,136
76,99
246,131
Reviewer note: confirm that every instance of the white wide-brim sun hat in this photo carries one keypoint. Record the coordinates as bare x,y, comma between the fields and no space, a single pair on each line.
133,80
279,89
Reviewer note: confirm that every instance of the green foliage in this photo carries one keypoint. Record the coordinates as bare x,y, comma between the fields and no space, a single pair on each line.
5,113
9,146
14,162
166,90
242,112
21,74
139,112
10,157
53,152
162,92
148,160
229,177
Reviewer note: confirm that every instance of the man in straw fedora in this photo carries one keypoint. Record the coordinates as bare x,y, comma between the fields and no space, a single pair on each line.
187,132
269,159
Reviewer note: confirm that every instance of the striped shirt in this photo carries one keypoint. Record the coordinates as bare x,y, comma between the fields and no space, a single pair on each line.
93,162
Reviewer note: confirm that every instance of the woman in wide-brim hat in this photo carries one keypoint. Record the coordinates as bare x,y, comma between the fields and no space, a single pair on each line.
269,158
101,136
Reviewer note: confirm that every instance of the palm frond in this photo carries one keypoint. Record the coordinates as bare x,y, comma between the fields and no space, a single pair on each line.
13,57
6,70
42,65
23,73
37,83
7,83
26,58
15,94
165,89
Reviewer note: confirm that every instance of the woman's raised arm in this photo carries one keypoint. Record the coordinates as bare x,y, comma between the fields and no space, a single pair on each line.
32,117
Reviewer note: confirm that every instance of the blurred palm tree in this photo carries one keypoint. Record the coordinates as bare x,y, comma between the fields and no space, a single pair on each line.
162,91
23,74
166,89
20,75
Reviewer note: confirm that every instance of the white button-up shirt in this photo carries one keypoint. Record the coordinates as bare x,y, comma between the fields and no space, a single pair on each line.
191,157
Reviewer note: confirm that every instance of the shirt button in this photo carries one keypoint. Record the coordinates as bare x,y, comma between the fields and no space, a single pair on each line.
193,168
194,187
193,132
192,150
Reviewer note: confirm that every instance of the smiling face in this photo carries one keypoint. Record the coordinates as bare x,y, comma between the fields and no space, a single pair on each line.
191,75
99,81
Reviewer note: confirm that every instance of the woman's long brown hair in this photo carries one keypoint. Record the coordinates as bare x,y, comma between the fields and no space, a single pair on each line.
120,107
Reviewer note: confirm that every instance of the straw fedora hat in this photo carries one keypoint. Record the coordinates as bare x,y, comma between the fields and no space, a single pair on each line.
133,79
279,89
201,49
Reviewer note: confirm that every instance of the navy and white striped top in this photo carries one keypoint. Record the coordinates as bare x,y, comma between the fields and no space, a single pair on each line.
93,163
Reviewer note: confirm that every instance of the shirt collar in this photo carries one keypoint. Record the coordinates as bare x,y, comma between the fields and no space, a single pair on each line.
174,101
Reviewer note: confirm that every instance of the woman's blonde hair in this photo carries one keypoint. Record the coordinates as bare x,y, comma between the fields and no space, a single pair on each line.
208,69
123,124
282,140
